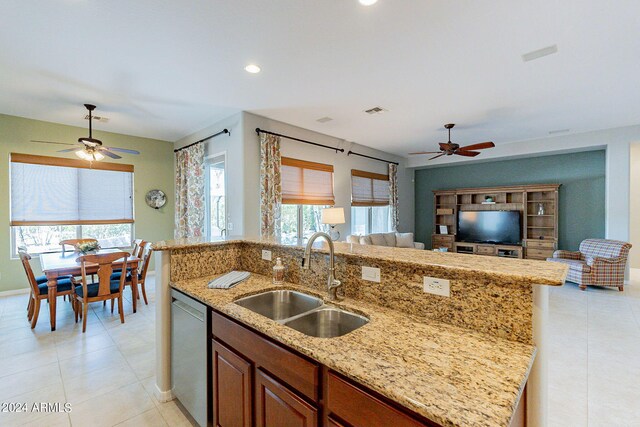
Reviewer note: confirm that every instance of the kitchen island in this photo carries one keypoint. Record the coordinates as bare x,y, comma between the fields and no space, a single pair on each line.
458,360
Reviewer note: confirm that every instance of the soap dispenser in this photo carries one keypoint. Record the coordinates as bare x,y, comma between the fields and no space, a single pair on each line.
278,272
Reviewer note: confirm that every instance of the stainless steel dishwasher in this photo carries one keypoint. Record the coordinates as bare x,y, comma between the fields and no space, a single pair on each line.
189,354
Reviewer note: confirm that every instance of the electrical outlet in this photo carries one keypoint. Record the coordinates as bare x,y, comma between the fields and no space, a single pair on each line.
371,274
433,285
230,226
266,255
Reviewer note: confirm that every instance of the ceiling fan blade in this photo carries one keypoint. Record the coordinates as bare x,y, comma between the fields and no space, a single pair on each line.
466,153
51,142
68,150
110,154
122,150
426,152
444,146
439,155
480,146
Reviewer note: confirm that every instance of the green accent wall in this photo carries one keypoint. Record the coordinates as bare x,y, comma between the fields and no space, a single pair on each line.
153,168
582,194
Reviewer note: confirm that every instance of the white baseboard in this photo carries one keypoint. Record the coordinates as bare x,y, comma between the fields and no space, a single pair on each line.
14,292
163,396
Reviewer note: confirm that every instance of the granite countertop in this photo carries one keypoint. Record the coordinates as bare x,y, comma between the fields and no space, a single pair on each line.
451,375
509,269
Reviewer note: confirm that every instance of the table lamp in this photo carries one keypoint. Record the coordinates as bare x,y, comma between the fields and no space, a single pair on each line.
332,217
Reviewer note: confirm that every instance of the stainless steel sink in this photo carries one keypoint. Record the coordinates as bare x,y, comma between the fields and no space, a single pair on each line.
280,304
327,322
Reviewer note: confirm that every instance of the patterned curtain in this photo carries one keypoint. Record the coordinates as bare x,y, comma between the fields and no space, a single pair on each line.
270,186
393,195
190,192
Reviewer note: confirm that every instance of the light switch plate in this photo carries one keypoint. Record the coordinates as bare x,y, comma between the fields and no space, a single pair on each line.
371,274
266,255
435,286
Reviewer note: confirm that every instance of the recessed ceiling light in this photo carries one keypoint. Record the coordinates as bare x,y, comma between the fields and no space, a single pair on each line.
367,2
549,50
252,68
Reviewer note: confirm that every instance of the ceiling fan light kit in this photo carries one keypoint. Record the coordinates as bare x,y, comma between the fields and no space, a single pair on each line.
92,149
450,148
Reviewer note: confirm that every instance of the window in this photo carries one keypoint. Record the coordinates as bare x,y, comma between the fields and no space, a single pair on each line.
370,211
370,219
46,238
215,210
307,188
53,199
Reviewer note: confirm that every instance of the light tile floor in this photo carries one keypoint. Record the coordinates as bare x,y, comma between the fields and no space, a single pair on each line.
594,368
107,374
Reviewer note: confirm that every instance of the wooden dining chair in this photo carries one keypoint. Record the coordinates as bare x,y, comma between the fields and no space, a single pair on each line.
143,267
40,288
105,289
74,242
138,247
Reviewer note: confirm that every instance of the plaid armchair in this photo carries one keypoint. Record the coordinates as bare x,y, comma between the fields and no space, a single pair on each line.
599,262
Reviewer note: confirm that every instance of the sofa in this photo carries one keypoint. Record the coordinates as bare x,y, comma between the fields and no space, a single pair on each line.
394,240
599,262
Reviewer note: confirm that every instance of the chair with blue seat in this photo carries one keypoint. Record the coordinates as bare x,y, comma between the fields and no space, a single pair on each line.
106,288
143,267
40,288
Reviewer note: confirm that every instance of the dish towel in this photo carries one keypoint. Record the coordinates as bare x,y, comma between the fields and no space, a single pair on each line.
229,280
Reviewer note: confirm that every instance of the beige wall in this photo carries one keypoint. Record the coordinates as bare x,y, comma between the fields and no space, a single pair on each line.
634,205
342,167
153,170
243,167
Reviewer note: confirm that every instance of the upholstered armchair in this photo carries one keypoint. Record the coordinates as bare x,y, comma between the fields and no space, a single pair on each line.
599,262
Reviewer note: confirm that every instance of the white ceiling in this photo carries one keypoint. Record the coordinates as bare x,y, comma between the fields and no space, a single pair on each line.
165,69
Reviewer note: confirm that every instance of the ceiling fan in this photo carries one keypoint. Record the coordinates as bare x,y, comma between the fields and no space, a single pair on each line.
92,148
448,148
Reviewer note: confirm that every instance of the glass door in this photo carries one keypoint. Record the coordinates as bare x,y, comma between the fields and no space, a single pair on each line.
216,197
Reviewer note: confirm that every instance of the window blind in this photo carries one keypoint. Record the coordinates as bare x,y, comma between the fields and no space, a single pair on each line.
51,190
306,183
369,189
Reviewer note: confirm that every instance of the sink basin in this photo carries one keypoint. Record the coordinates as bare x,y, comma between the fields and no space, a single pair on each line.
327,322
280,304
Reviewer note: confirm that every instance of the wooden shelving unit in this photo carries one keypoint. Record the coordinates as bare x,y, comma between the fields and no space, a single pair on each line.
538,205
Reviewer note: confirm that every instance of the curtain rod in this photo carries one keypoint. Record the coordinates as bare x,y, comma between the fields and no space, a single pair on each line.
203,140
372,158
259,131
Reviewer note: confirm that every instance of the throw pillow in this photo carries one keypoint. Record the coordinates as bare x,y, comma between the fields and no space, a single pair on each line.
391,239
365,240
378,239
404,240
353,239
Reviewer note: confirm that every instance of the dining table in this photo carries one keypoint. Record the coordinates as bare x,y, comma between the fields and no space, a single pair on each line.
59,264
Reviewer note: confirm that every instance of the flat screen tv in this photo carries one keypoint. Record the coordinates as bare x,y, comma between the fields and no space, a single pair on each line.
489,227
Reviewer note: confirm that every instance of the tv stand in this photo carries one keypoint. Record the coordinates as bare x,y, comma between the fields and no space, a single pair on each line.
488,249
538,207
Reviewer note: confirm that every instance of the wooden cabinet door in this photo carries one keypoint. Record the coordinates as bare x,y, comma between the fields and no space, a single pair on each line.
276,406
231,388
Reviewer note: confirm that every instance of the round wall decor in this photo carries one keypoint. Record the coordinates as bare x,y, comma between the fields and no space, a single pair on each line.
155,199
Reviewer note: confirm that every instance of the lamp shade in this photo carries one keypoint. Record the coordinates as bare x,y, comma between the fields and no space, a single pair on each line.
332,216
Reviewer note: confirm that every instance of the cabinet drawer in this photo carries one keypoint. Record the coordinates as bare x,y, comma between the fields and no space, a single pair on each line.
485,250
538,253
359,408
541,244
299,373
